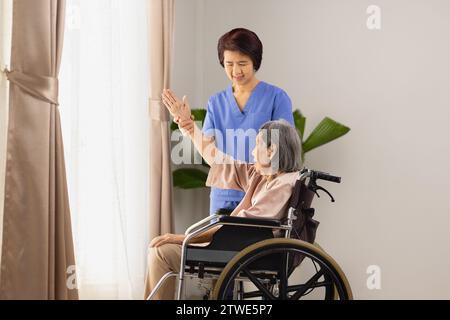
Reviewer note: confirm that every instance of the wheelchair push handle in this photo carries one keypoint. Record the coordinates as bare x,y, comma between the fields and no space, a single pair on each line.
327,177
319,175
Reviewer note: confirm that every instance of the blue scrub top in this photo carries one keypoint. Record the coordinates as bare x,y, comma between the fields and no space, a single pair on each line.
266,102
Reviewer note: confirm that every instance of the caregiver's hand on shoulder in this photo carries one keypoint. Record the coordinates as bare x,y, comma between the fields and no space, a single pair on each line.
179,109
167,238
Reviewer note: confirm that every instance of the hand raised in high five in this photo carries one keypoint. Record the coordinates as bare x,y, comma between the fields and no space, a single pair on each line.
179,109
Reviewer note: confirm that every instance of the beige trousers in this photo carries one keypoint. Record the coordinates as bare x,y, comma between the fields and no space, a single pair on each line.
161,260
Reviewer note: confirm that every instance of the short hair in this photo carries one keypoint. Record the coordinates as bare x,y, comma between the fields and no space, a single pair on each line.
244,41
289,146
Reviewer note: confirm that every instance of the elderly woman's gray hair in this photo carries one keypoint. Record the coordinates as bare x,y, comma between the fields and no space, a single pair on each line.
289,146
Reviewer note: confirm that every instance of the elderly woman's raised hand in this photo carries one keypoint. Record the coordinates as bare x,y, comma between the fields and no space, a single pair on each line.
179,109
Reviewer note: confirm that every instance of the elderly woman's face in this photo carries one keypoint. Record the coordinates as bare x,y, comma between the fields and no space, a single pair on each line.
263,155
238,67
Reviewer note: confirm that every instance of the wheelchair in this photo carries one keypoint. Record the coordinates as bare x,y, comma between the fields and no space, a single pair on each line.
265,259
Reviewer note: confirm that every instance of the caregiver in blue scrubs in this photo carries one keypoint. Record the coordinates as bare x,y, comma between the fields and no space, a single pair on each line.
245,104
235,114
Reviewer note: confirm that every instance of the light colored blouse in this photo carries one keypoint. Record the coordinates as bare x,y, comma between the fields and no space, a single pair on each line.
263,199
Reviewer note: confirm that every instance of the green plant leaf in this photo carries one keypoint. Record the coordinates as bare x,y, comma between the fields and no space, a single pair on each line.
173,126
325,132
300,122
199,114
187,178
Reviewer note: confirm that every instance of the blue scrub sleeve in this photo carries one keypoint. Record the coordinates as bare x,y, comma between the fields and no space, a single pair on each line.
283,108
208,124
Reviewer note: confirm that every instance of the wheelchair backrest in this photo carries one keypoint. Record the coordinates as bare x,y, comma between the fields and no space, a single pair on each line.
304,227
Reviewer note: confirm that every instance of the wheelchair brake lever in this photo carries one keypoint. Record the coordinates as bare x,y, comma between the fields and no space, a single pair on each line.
314,187
324,190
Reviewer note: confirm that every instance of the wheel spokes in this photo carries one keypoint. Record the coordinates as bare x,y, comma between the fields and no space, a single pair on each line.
258,265
258,284
314,285
282,273
309,284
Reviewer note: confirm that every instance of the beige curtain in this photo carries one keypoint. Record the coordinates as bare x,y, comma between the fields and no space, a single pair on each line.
5,52
37,256
161,21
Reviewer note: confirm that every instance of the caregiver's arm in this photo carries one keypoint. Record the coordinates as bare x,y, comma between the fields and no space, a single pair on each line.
181,112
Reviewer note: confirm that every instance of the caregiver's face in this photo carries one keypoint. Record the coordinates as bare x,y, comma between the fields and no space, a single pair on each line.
238,67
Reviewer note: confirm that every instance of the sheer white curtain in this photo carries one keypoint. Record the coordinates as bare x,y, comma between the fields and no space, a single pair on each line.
5,57
103,99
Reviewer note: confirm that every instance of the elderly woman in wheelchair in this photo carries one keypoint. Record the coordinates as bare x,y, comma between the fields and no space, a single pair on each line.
260,249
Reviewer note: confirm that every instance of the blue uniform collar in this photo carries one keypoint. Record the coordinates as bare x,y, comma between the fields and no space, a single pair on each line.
250,102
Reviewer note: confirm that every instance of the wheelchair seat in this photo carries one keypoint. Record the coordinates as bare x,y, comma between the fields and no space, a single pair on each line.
229,240
237,233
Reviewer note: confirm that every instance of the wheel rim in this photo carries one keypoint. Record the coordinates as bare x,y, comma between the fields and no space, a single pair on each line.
333,279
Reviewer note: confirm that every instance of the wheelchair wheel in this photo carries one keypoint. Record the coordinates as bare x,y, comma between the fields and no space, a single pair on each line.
279,282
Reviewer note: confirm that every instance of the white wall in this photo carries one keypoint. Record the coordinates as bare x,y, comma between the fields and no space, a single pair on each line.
391,86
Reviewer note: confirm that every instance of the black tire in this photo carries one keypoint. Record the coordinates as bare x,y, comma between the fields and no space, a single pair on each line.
335,282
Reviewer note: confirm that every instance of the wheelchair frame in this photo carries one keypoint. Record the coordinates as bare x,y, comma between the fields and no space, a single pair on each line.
215,220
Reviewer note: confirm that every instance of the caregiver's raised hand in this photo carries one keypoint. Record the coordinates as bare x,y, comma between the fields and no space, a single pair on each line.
179,109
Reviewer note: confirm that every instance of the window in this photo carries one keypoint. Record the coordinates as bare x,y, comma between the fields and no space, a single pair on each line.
104,90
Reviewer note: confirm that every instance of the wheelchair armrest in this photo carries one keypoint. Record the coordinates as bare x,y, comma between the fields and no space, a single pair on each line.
250,221
199,224
224,211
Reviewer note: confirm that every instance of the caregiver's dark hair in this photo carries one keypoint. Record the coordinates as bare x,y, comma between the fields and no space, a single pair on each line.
244,41
289,146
